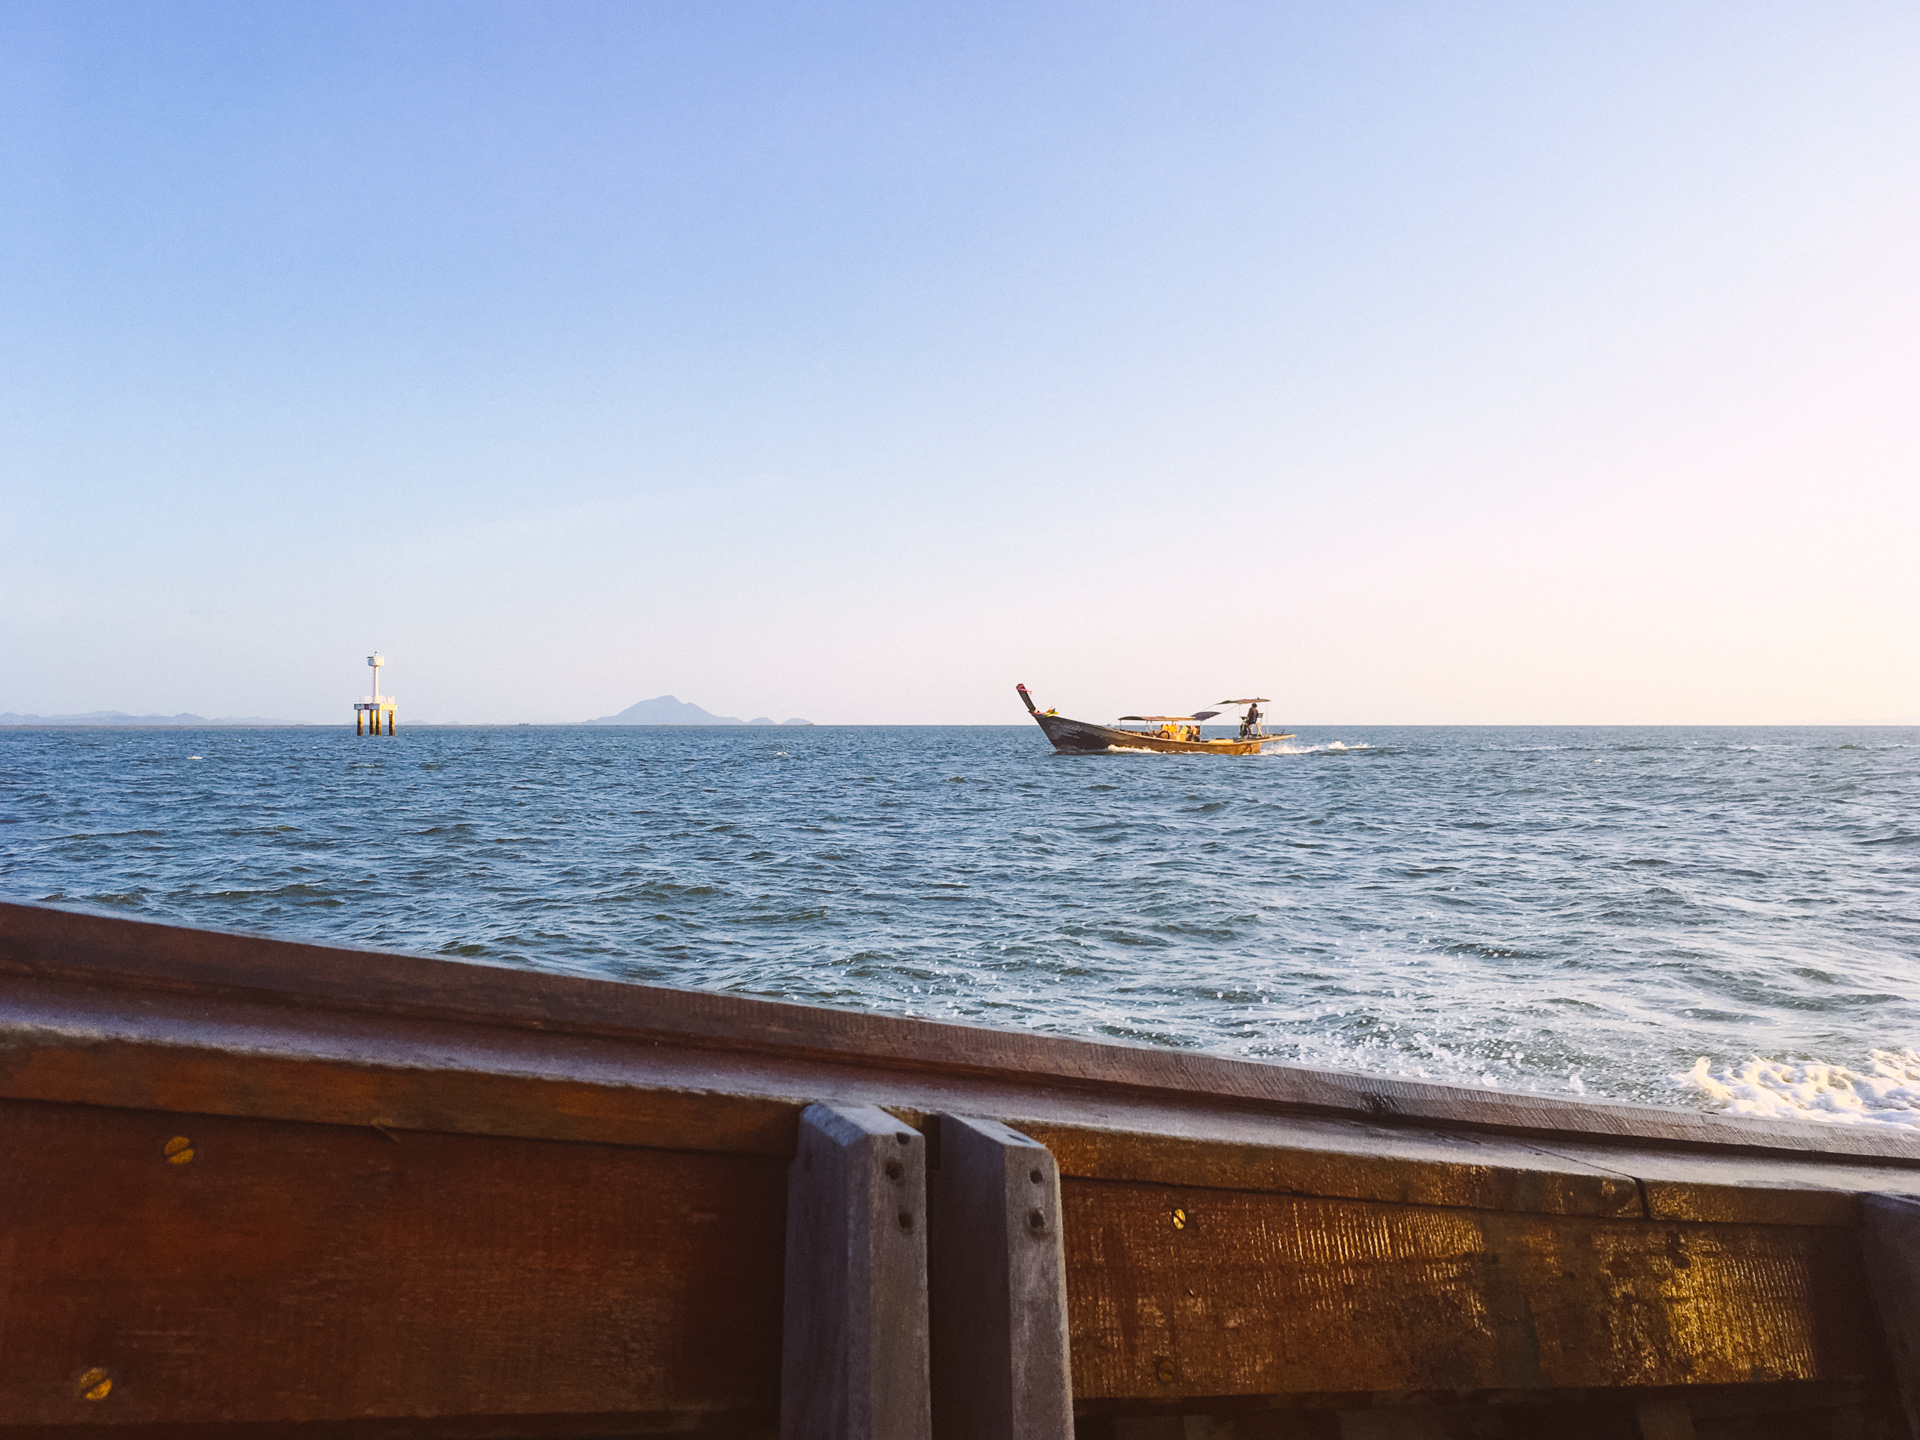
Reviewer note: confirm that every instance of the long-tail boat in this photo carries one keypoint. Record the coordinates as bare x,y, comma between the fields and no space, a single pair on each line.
258,1189
1173,734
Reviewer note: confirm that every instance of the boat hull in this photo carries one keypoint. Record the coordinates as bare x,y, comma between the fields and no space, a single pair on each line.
1079,737
476,1184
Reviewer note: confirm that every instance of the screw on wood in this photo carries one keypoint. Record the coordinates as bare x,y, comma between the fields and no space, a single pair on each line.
179,1150
1179,1219
95,1384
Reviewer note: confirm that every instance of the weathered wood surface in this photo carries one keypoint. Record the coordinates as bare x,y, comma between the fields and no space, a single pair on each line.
854,1350
1666,1418
1890,1246
291,1272
1744,1412
579,1190
998,1286
1428,1167
167,1019
1182,1292
367,1009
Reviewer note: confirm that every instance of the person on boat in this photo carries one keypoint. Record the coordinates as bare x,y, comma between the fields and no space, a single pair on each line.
1249,722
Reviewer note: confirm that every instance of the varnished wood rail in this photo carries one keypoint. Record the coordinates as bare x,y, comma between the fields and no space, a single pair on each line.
258,1187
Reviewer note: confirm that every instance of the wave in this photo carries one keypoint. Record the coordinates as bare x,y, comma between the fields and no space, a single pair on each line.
1888,1094
1514,918
1332,747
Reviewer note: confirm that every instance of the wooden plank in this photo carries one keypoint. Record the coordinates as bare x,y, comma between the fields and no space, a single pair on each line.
1780,1411
1183,1292
1746,1412
219,1057
854,1359
300,1273
1710,1185
213,1056
112,1046
1332,1158
209,1058
1325,1252
1779,1203
997,1287
1309,1157
1890,1247
41,943
1666,1417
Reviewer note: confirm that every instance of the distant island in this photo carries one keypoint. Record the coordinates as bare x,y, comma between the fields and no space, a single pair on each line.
661,710
117,717
667,710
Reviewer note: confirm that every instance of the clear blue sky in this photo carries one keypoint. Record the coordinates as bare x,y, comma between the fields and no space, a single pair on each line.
1409,362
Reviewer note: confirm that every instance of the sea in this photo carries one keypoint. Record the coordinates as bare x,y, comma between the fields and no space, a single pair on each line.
1726,919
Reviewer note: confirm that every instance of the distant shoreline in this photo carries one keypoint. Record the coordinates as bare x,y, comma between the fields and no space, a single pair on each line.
742,728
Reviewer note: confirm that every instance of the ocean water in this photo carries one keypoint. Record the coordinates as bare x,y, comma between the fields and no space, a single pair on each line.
1722,918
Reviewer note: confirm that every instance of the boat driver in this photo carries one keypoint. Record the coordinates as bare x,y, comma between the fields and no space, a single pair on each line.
1249,721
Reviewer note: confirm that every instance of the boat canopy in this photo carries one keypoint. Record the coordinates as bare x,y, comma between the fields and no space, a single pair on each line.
1197,715
1254,700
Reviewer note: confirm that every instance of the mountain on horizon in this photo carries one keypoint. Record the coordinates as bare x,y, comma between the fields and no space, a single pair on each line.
120,717
670,710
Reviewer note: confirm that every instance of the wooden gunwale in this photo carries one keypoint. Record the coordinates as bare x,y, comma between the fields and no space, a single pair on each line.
62,969
455,1199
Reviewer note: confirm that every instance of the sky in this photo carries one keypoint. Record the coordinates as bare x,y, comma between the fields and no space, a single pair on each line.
1407,363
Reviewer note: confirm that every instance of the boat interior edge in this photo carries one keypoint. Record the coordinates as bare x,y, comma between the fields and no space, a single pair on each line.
257,1187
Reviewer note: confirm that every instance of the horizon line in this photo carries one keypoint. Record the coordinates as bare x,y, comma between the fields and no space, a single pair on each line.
215,723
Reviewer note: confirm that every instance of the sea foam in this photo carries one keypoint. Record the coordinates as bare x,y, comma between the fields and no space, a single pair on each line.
1888,1093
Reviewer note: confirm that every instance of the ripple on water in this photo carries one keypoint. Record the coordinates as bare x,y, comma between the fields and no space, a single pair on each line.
1484,905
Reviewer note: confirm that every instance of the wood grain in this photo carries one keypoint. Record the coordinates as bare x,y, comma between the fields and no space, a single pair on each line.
854,1359
38,942
997,1287
1185,1292
526,1204
1350,1161
1890,1245
303,1273
108,1046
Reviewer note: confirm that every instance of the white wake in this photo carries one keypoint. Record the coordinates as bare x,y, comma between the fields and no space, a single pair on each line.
1888,1094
